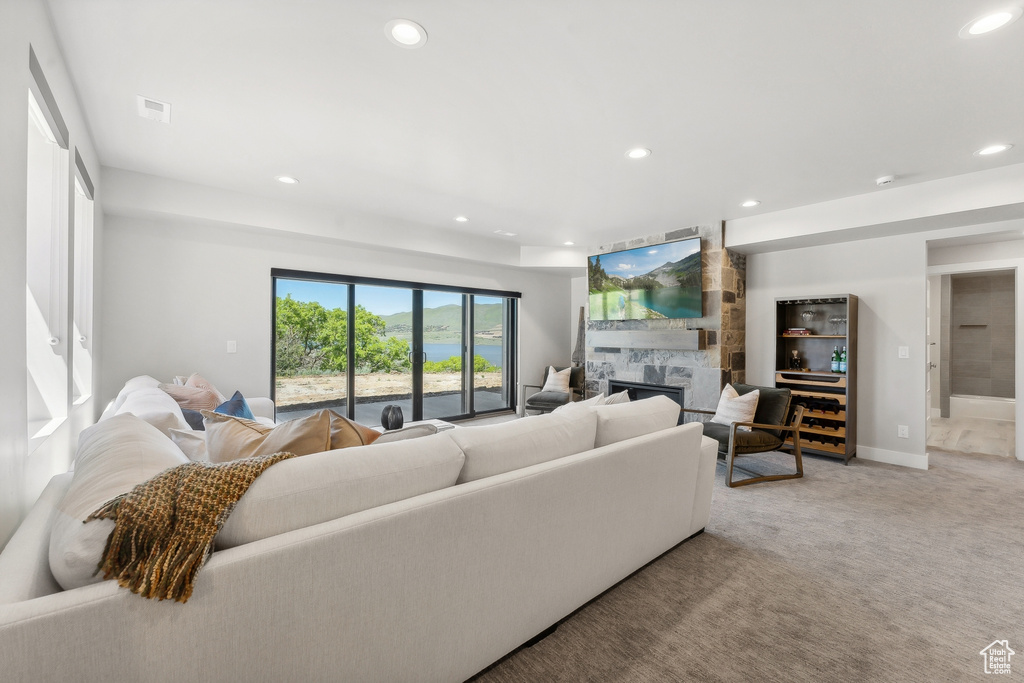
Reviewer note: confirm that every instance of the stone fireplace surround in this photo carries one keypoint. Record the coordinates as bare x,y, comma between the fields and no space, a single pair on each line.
702,372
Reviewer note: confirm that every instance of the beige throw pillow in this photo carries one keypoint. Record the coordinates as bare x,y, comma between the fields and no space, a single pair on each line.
735,408
229,438
345,433
196,394
557,381
576,405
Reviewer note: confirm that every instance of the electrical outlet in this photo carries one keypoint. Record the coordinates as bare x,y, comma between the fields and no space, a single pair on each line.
903,431
232,347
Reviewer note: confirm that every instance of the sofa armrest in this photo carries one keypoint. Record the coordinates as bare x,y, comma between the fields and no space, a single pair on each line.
261,406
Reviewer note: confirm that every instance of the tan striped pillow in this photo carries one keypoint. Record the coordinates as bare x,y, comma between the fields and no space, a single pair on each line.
735,408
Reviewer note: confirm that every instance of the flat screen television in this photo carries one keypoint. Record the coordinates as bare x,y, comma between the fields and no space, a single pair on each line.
656,281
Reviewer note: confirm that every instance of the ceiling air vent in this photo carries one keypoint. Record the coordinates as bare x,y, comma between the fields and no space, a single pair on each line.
154,110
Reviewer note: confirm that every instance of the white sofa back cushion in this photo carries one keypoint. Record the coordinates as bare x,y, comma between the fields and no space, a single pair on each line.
620,421
113,456
156,407
320,487
134,384
494,449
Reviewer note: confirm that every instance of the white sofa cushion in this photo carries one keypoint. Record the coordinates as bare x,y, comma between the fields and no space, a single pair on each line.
113,456
134,384
316,488
152,405
508,446
619,421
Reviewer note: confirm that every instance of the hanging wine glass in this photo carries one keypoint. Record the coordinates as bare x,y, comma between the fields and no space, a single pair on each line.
835,320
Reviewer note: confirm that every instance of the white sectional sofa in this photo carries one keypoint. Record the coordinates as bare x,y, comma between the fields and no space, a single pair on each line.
529,520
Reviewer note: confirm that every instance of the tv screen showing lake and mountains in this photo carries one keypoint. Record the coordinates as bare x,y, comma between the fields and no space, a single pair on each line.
657,281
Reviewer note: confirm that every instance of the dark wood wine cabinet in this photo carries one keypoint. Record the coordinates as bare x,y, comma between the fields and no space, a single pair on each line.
813,327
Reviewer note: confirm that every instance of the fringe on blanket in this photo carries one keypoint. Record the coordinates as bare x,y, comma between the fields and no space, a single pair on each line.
164,528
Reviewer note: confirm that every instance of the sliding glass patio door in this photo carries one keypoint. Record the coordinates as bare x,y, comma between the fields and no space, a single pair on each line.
356,345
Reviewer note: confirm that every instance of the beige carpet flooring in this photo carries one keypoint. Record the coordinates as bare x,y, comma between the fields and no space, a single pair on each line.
867,572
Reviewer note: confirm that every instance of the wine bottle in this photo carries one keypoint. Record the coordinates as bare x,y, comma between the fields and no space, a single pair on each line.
835,359
842,361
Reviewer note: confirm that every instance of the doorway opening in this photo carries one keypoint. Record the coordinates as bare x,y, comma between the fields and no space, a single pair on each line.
972,362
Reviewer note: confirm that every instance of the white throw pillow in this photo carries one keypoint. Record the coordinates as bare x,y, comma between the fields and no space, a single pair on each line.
575,405
113,457
735,408
621,421
557,381
621,397
494,449
155,407
297,493
192,443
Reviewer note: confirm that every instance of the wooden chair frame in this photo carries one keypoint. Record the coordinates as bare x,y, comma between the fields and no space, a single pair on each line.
731,455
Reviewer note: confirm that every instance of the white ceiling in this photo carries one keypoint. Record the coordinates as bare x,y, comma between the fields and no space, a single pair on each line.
518,113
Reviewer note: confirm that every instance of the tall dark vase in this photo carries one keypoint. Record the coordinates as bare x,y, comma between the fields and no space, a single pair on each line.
579,354
391,417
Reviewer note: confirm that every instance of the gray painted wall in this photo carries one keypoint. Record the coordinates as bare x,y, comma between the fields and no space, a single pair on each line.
889,276
23,475
178,289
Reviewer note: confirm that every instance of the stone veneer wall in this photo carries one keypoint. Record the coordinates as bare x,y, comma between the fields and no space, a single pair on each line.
702,373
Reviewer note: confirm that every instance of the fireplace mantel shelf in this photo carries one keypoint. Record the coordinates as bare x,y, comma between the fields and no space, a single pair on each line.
673,340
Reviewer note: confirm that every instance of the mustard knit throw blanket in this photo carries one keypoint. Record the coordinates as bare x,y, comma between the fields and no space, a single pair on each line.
164,527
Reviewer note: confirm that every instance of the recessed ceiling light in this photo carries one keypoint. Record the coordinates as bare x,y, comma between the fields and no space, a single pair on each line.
406,33
749,203
505,233
288,180
461,219
992,149
638,153
990,22
568,244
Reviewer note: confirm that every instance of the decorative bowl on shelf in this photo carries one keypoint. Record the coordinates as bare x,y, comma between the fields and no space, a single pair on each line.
836,321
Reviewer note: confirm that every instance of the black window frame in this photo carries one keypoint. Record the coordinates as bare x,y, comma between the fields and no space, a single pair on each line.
510,325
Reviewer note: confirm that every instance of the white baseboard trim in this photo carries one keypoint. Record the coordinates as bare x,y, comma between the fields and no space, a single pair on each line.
893,457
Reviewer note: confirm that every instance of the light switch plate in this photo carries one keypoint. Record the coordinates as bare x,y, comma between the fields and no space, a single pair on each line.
904,352
232,347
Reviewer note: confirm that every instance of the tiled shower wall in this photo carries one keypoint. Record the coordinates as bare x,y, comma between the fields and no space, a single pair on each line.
981,358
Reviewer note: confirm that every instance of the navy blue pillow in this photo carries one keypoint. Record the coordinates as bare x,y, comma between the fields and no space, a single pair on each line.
194,419
235,407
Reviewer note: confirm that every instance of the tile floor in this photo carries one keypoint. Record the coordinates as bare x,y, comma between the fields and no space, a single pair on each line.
973,435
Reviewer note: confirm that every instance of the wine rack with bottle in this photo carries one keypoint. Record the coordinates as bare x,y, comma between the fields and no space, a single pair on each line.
816,328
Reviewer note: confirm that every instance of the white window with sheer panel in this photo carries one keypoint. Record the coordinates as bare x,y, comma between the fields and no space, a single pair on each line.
46,291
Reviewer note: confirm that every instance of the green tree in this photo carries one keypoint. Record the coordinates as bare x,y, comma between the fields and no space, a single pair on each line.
313,339
454,364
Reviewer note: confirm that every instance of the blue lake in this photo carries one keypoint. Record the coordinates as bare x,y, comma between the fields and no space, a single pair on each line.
437,352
